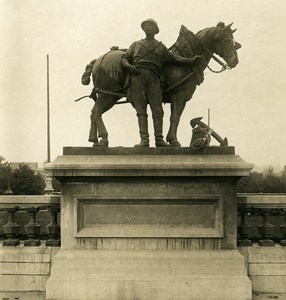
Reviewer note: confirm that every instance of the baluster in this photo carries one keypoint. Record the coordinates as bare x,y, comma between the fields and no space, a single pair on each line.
32,228
49,185
283,231
11,229
54,228
266,230
244,229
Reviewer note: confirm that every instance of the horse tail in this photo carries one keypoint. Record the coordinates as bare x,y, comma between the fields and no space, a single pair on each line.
85,78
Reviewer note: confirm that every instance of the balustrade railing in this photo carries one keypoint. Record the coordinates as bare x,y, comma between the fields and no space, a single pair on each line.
33,219
36,219
262,219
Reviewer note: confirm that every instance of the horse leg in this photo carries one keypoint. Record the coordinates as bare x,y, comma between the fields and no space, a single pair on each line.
177,107
93,131
102,104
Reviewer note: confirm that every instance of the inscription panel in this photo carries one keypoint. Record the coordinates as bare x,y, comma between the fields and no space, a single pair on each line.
151,217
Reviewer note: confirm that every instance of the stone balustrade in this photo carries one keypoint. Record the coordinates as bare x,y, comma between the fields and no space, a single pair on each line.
262,240
30,228
30,218
262,219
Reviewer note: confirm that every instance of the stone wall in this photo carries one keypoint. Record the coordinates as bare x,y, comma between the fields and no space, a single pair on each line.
25,268
266,268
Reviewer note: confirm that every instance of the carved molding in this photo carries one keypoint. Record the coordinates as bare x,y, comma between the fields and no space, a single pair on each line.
199,216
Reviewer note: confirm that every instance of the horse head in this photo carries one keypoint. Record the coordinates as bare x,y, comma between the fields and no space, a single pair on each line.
218,40
224,44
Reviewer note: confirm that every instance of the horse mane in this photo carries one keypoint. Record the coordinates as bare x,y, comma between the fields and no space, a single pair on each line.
203,35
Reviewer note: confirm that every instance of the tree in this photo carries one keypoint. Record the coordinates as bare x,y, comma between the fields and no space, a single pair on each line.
272,183
263,183
283,180
3,175
251,184
26,182
56,185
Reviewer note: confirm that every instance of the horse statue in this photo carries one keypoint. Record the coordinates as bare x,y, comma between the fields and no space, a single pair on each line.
179,82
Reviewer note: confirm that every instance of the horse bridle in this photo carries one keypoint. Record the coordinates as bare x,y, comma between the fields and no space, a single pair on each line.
188,37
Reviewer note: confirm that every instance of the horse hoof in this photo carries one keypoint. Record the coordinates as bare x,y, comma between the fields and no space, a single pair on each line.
175,144
96,145
103,143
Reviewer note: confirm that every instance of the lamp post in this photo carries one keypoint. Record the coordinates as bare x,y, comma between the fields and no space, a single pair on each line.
8,165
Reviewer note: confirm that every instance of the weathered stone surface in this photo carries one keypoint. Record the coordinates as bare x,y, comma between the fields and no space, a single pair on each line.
208,195
124,216
213,150
266,268
148,275
148,165
276,254
25,269
269,284
23,295
19,255
26,201
14,283
120,205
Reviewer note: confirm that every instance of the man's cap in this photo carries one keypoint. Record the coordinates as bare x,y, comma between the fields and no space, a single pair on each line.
153,22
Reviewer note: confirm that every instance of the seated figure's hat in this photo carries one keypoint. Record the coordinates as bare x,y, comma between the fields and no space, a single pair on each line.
150,21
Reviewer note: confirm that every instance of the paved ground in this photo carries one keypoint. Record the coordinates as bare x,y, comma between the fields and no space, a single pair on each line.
260,296
22,296
42,296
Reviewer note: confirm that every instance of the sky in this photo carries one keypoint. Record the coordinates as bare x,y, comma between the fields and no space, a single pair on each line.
247,103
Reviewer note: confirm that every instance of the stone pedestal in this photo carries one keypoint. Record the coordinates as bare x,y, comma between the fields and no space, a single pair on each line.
148,224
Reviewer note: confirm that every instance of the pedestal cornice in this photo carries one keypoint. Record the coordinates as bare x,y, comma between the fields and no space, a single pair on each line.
90,162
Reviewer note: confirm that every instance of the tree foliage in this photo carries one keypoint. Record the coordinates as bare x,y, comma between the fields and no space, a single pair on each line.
251,184
56,185
23,181
3,176
269,182
26,182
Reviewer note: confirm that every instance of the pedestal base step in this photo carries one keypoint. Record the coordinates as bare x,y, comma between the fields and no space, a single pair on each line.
147,275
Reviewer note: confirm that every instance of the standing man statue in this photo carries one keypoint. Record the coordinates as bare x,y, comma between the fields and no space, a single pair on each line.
144,60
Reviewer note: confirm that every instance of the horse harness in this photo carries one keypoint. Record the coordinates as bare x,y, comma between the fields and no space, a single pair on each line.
224,66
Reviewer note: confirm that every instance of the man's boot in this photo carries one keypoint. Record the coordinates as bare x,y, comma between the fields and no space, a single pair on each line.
143,144
161,143
143,129
158,127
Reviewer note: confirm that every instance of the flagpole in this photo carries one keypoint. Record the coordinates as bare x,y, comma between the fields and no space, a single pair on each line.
48,180
48,112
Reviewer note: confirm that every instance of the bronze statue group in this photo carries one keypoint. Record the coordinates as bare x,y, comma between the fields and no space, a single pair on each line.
144,60
137,73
